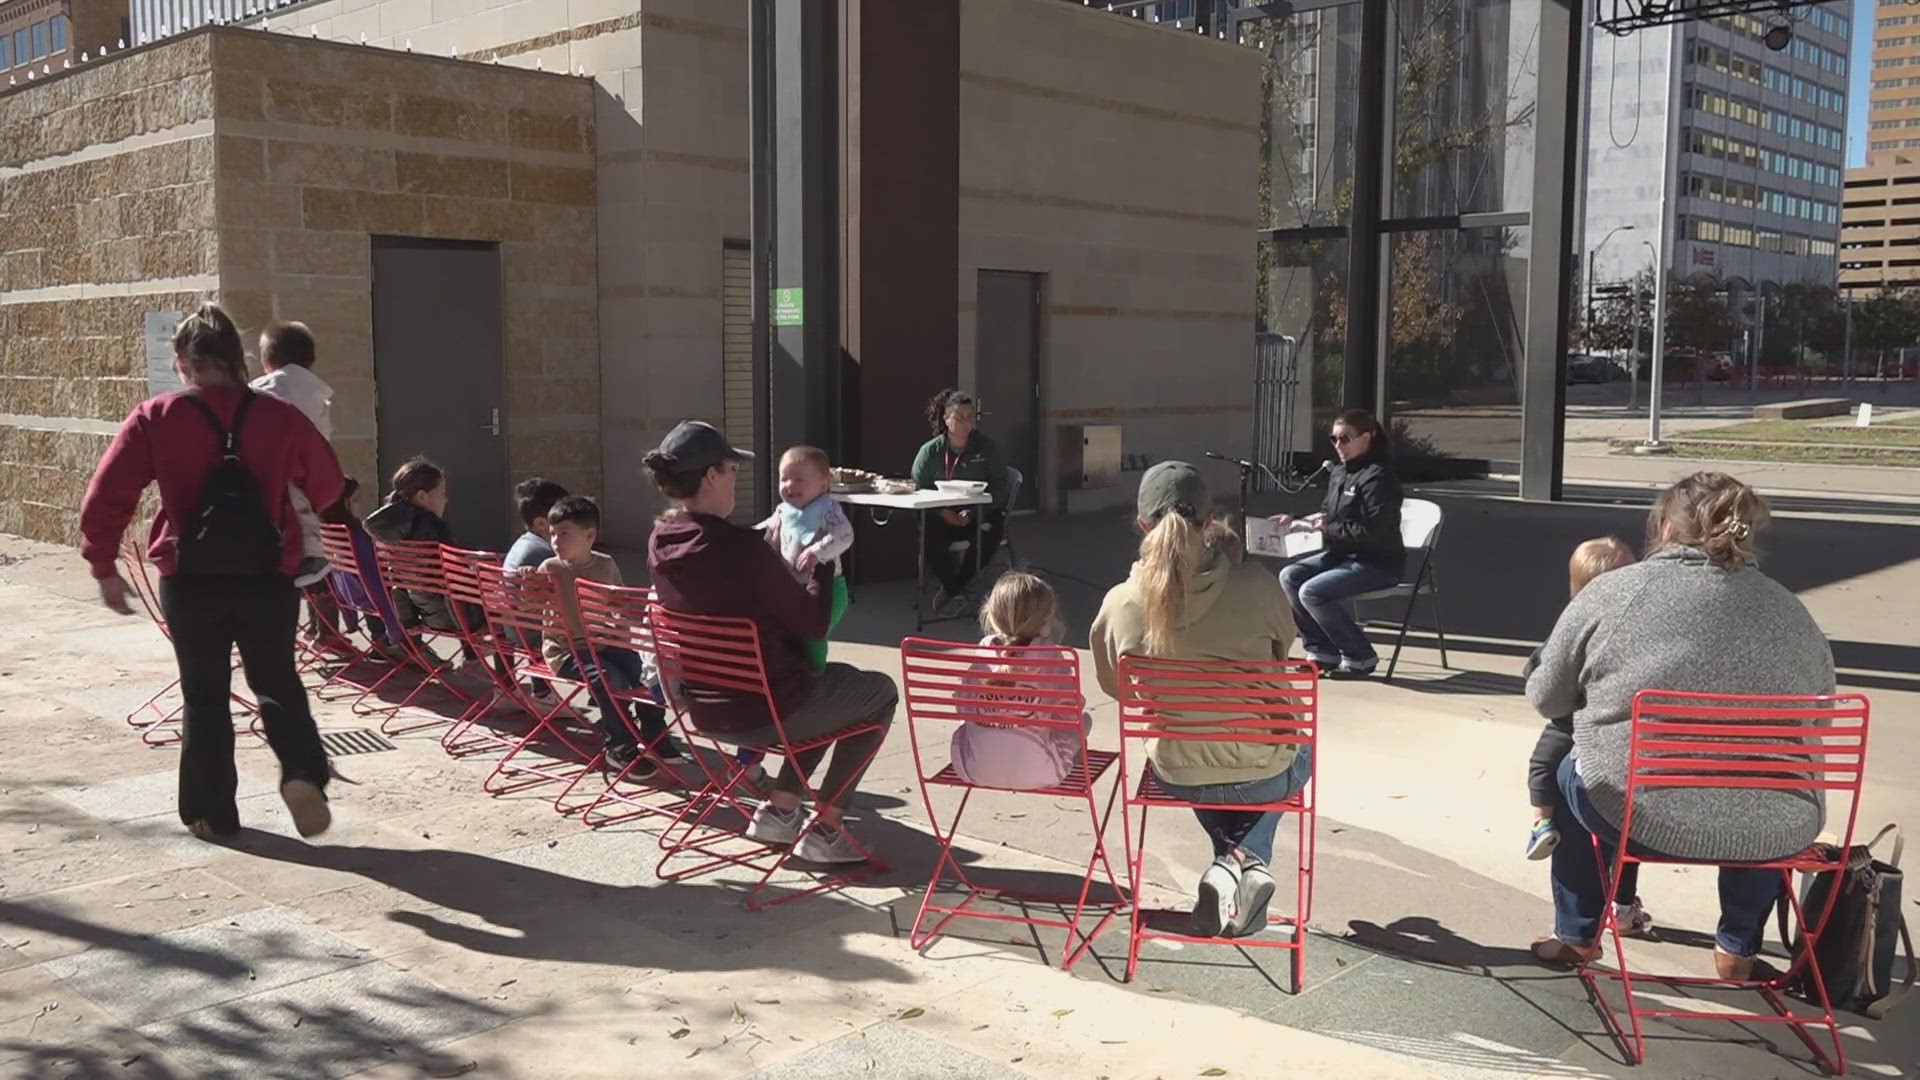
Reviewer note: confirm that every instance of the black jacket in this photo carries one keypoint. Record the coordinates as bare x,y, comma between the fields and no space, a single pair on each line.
1553,746
1362,511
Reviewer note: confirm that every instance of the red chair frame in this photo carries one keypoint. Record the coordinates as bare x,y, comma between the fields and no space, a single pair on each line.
460,568
944,684
519,605
1272,703
615,617
343,557
164,727
414,566
718,653
1688,740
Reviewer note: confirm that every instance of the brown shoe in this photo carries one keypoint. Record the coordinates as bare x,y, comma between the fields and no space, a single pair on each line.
1747,969
1552,950
308,804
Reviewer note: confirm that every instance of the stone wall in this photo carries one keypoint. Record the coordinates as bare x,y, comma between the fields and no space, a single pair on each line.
322,146
106,213
254,168
672,185
1119,159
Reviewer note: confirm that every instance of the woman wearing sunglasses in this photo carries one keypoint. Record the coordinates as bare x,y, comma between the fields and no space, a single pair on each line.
1362,552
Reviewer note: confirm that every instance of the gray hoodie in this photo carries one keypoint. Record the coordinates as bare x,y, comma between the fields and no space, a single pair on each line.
1678,622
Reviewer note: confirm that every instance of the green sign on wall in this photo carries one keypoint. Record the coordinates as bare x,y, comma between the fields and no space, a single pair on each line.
789,307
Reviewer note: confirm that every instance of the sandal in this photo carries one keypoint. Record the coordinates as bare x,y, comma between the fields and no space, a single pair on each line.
1552,950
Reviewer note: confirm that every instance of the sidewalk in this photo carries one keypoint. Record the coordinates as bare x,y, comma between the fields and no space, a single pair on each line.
439,932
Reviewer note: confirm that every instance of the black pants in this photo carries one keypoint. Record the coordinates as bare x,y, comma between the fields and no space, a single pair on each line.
956,570
207,616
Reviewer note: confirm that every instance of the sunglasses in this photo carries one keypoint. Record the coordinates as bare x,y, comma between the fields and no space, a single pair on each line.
1342,440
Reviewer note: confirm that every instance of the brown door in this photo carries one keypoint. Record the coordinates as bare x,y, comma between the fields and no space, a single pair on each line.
1007,370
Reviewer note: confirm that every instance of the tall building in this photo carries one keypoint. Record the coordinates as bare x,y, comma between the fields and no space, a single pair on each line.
41,36
1745,143
1881,238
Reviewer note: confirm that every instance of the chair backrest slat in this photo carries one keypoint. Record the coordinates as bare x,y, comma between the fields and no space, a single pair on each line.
1734,741
1012,686
1273,702
705,653
614,616
413,565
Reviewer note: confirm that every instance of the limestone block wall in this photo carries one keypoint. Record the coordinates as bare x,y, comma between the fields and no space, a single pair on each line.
254,169
322,146
1120,160
671,127
106,212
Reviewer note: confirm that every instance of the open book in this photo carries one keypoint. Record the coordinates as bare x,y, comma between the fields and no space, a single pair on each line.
1266,539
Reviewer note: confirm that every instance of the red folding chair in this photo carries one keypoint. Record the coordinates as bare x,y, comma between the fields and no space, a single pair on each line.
413,567
519,608
358,587
1270,703
703,655
1040,691
615,617
1680,740
159,726
461,569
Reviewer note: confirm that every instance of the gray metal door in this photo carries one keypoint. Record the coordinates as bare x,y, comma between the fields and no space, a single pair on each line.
440,377
1007,370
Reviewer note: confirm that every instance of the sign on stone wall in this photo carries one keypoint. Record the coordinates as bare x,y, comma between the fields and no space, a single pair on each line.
161,377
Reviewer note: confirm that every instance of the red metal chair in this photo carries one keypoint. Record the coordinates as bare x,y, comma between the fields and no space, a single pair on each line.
950,684
358,587
461,569
158,726
702,655
615,617
414,567
519,608
1679,740
1273,703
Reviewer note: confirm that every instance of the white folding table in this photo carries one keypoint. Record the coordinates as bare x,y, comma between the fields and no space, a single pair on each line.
919,504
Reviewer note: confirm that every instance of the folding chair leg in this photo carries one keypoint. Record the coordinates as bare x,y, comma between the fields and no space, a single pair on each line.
1136,841
1439,623
1400,641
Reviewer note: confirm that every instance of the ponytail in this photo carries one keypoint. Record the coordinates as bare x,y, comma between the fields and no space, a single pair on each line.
209,346
1169,561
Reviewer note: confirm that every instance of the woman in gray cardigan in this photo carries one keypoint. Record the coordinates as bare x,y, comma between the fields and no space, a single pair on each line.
1698,616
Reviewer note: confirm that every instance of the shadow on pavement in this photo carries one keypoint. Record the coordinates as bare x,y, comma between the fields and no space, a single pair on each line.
151,952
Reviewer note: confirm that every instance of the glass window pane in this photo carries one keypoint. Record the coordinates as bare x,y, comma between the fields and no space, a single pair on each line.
1454,346
59,25
1303,297
1466,85
21,53
1307,115
6,52
39,40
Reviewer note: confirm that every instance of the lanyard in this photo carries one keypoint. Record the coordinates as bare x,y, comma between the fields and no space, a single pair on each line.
951,461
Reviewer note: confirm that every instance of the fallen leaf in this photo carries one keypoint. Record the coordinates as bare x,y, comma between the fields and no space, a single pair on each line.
911,1014
553,843
1058,1013
738,1016
1215,1071
679,1033
131,1060
461,1069
983,1027
509,982
696,1052
766,1001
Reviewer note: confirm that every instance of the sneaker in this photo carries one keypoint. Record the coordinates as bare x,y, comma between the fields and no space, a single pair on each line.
825,843
1213,908
669,750
770,825
1353,669
1633,920
950,605
308,804
1250,901
1542,840
624,754
1328,664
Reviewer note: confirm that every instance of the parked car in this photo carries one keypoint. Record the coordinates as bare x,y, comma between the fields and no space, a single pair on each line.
1582,368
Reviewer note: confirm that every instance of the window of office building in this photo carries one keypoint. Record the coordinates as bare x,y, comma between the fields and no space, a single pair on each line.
39,41
58,25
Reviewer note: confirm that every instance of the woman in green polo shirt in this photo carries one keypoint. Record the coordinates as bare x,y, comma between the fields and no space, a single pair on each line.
958,452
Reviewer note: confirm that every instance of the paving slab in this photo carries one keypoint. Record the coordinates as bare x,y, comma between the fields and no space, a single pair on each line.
888,1050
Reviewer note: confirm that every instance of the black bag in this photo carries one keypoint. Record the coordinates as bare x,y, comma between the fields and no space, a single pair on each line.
1858,948
231,533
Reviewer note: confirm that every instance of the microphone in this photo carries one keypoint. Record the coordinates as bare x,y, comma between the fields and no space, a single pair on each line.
1217,456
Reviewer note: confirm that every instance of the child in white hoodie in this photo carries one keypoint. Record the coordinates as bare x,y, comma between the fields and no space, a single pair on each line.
287,355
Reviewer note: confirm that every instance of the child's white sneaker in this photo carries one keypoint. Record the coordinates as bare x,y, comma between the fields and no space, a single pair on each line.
1542,840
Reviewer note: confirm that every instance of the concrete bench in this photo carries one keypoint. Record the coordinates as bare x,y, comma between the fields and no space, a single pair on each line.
1803,410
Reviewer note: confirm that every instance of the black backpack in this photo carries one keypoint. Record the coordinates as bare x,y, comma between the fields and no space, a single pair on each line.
231,533
1858,952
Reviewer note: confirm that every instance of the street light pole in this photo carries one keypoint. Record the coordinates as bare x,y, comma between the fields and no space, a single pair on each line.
1591,256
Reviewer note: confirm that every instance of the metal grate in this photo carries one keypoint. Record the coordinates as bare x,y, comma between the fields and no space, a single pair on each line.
349,743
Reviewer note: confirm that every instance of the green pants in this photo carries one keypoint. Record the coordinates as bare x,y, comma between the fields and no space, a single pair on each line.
817,650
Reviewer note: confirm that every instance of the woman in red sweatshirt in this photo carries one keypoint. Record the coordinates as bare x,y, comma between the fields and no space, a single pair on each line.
227,543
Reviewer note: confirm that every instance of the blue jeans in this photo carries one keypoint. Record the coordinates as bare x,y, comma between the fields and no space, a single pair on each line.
623,670
1319,588
1579,894
1251,831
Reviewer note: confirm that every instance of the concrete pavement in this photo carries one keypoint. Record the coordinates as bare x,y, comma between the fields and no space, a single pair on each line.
437,931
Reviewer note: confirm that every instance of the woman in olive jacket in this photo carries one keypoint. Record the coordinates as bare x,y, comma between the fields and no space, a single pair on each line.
1362,550
959,452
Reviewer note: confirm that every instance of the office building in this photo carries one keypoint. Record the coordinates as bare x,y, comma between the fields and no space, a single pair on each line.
1880,241
1746,143
42,36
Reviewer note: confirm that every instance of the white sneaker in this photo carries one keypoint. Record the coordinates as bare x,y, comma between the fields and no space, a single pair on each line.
826,844
1213,910
1634,920
772,826
1250,901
